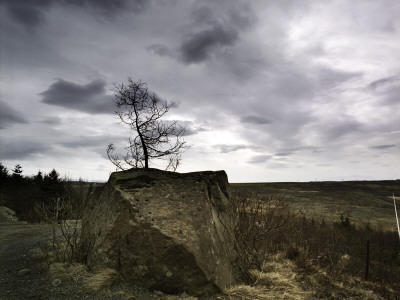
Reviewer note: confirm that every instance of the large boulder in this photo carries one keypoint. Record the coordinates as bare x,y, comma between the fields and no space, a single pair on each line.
163,231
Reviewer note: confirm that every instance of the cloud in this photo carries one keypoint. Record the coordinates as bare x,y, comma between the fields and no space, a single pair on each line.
160,50
110,8
283,153
85,142
212,28
22,149
33,13
259,159
10,116
90,98
255,120
338,128
51,120
96,144
198,47
289,151
382,82
383,147
26,12
190,128
232,148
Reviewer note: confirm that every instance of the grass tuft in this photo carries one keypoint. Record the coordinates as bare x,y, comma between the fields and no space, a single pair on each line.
103,279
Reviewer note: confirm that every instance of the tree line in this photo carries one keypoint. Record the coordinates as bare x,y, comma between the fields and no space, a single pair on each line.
22,193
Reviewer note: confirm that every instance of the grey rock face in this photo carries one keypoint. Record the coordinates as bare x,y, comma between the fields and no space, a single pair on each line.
165,231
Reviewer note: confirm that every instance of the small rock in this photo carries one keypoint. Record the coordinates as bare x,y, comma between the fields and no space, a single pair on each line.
23,272
56,282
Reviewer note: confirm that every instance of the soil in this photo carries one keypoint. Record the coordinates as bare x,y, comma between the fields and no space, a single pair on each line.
23,276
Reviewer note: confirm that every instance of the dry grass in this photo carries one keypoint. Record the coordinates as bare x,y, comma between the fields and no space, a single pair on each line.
280,279
68,272
275,281
103,279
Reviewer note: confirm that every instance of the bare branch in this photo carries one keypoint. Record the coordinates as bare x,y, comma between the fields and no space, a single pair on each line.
154,138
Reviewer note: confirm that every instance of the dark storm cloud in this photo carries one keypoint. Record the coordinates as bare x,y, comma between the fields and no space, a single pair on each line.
110,8
255,120
219,28
197,47
32,13
89,98
9,116
383,81
22,149
259,159
106,5
383,147
27,12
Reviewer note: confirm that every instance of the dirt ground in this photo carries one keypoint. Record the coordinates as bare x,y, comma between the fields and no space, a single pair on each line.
24,276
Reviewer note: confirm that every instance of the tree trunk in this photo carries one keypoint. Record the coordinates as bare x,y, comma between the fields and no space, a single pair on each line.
146,157
146,154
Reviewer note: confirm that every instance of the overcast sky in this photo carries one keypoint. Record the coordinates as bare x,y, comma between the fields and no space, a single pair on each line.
270,90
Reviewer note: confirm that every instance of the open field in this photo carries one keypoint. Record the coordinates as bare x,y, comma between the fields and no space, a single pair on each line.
362,201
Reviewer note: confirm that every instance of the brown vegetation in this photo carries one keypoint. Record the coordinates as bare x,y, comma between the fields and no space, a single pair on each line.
285,250
332,252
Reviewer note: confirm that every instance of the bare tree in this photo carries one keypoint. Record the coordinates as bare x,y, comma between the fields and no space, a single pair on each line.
153,138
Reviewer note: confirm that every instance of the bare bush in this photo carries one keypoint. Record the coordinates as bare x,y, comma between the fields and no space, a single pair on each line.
260,223
64,215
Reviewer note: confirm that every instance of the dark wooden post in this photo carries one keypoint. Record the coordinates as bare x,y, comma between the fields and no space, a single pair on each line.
367,262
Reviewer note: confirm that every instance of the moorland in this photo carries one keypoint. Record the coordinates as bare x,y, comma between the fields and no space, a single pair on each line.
363,202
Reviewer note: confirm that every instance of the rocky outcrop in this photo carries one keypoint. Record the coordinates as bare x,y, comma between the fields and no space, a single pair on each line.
164,231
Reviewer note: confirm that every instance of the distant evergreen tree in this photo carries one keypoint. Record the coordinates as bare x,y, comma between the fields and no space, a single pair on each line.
52,184
38,179
17,171
17,179
3,175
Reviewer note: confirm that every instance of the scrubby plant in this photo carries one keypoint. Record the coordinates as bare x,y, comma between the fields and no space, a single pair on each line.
265,227
64,215
260,222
